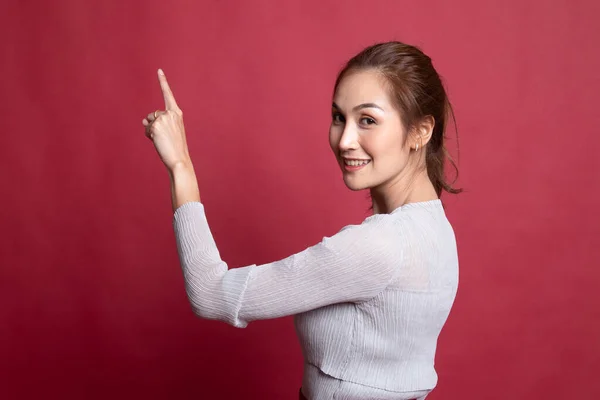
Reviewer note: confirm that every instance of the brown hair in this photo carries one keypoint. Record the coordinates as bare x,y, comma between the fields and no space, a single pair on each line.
418,92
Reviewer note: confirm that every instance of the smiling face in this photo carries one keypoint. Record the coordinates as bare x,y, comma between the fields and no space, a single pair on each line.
366,133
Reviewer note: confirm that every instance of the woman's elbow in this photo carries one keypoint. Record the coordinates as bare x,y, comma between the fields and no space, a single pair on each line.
204,311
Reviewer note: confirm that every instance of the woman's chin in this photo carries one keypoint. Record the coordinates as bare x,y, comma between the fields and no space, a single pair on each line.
354,184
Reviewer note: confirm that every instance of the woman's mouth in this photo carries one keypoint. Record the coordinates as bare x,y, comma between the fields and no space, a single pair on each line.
352,165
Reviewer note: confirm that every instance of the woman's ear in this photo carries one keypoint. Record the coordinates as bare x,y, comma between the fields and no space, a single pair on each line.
422,132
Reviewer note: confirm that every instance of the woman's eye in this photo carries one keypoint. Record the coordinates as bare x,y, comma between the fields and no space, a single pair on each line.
367,121
338,118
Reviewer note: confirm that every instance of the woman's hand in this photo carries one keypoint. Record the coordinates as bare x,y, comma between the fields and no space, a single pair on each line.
166,130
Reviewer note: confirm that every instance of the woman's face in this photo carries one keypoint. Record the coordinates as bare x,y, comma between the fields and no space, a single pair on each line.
366,133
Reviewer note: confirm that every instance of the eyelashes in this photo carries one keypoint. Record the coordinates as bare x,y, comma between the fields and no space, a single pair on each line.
338,118
368,121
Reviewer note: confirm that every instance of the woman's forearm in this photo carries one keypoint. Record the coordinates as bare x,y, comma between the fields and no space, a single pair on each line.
184,186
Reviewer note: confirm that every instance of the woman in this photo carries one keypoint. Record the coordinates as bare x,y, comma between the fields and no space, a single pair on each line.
370,301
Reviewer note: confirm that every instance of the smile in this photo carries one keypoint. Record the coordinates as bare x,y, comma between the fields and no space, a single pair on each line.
354,165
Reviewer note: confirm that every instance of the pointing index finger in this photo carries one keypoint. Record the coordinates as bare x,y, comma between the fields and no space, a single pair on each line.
170,103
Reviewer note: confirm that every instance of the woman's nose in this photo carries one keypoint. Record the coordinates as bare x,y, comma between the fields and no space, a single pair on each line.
349,139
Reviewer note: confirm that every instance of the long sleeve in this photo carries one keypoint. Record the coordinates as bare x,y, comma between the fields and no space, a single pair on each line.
353,265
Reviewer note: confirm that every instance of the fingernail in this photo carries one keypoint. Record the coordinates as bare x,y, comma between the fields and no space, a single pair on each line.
160,71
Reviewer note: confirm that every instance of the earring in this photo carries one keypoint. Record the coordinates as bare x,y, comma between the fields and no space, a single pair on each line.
417,147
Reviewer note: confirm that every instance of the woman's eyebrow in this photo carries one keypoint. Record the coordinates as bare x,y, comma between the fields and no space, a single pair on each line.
360,106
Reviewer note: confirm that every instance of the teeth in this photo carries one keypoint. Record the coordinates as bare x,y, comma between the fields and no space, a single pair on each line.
356,163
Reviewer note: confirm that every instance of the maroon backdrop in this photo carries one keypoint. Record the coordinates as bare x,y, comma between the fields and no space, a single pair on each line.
92,297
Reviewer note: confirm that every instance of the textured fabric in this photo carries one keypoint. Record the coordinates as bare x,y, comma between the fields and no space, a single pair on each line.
369,302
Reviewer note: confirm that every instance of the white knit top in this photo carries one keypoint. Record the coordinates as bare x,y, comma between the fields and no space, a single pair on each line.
369,302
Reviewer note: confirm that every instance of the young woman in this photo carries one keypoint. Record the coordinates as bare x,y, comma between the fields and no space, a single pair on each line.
370,301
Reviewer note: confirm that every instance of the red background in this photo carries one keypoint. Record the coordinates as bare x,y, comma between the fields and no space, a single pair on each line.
92,298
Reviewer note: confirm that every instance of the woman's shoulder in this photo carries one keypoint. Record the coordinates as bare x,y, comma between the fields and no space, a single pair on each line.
395,226
416,212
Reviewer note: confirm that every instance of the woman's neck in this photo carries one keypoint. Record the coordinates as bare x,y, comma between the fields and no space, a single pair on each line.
388,198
